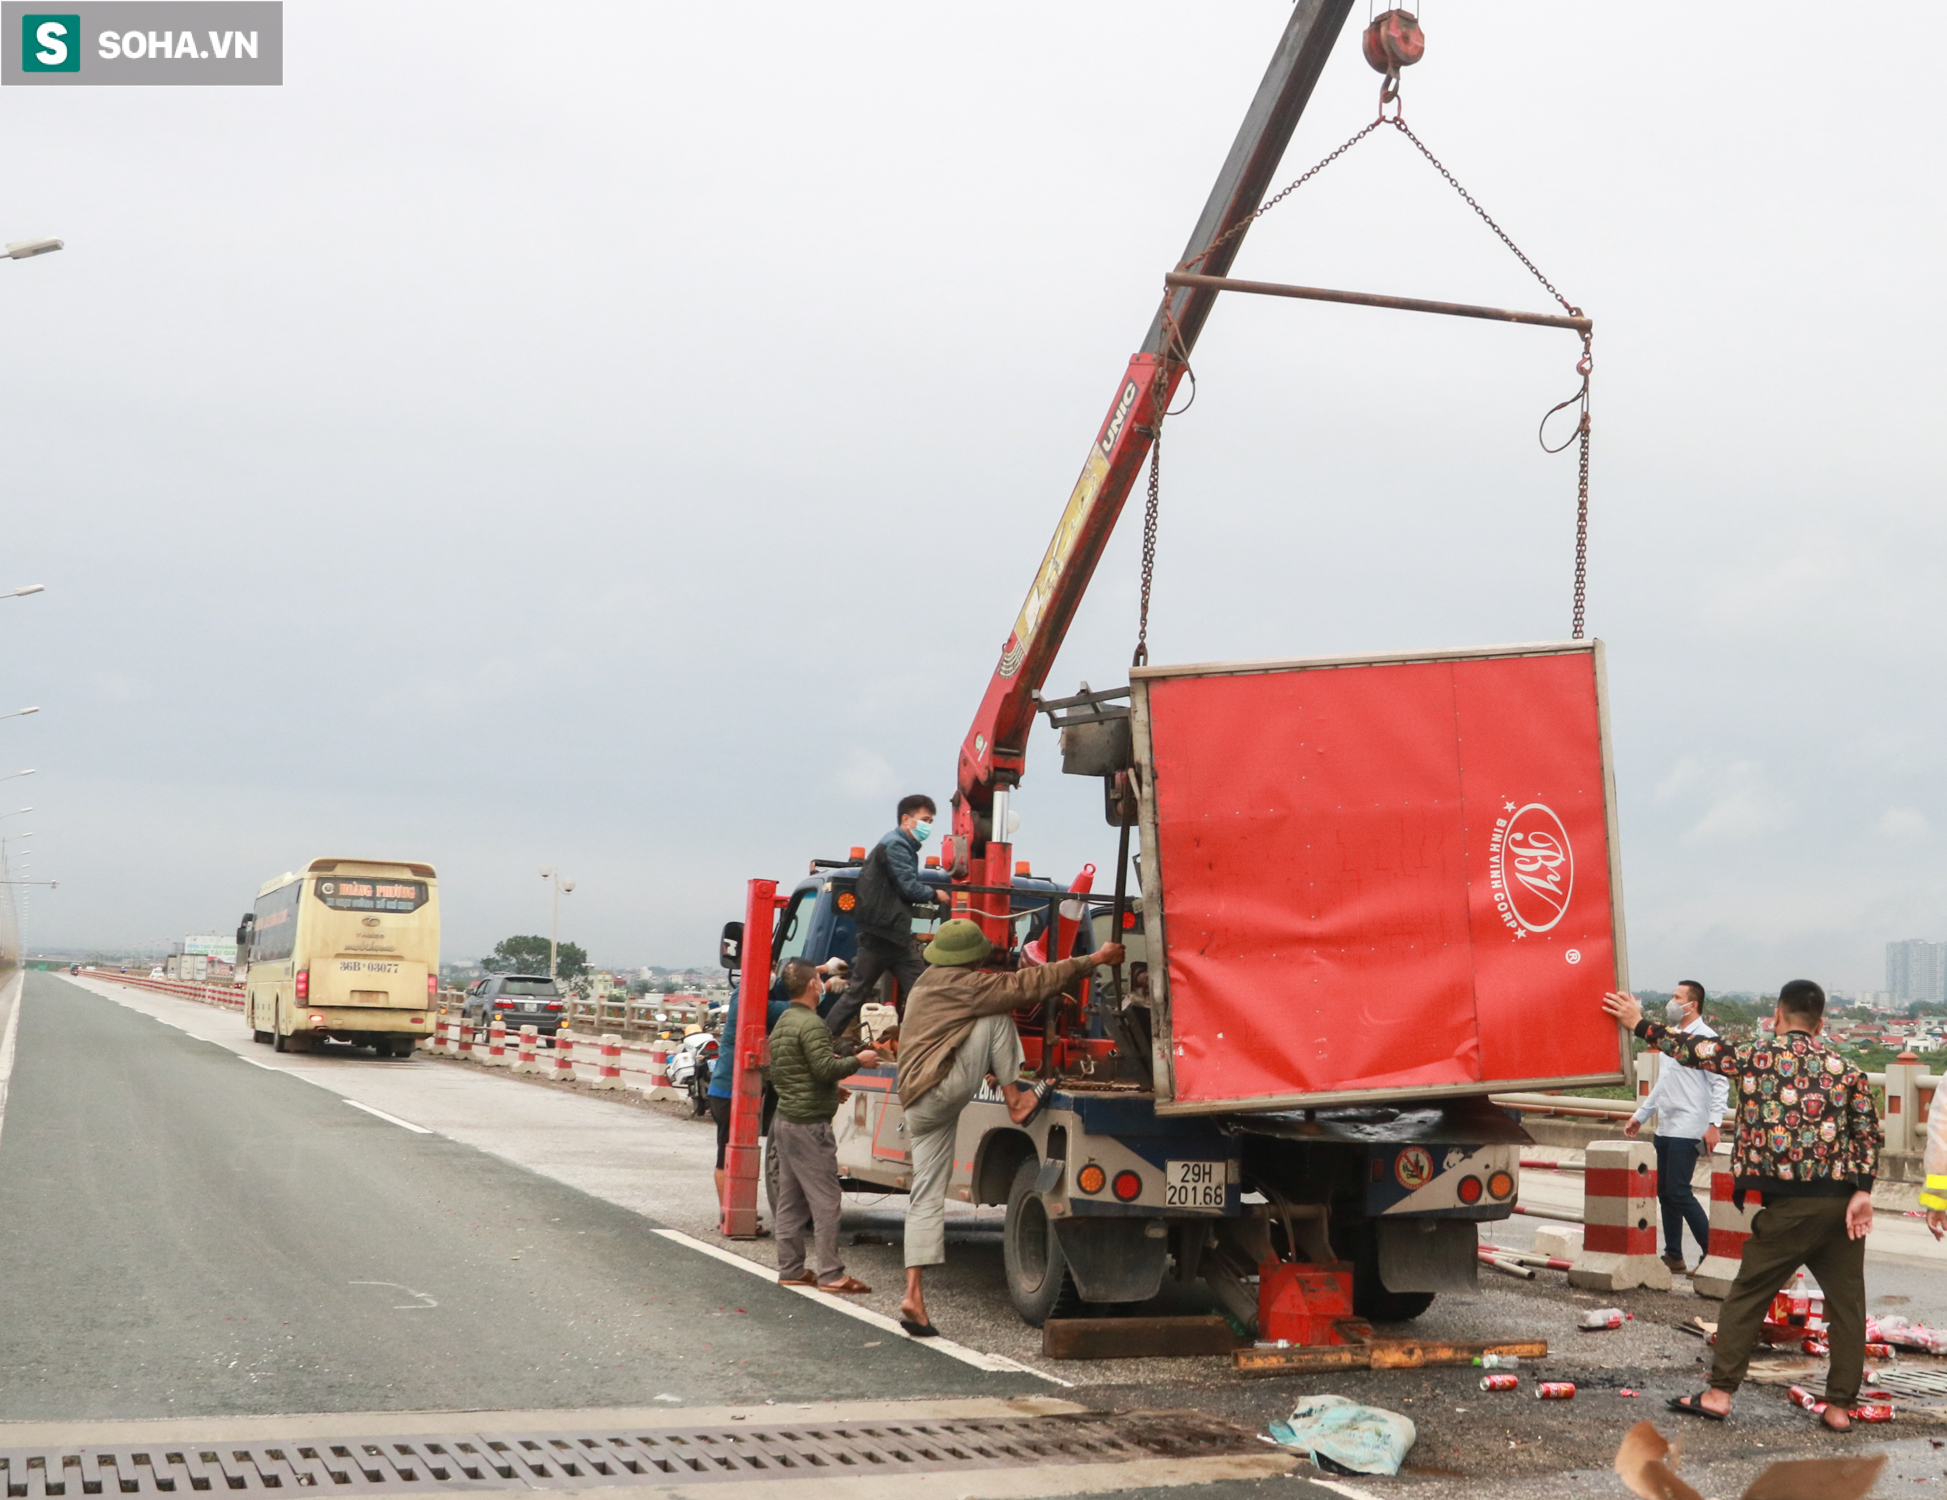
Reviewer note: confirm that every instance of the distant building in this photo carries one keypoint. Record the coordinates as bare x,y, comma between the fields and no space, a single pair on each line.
1916,970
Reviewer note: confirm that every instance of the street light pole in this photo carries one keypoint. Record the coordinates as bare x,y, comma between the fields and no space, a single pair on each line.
553,873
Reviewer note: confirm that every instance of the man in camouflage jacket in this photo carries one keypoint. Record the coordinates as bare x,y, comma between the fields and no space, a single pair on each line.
1808,1139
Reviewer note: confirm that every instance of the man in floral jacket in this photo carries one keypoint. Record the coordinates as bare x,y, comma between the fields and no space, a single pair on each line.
1808,1139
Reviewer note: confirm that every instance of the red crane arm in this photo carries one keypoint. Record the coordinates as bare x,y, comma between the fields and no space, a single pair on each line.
994,752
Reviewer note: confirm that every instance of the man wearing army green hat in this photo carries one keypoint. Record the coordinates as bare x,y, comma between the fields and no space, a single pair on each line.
956,1032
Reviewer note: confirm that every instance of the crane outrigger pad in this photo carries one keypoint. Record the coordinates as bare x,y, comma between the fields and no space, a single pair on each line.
1389,877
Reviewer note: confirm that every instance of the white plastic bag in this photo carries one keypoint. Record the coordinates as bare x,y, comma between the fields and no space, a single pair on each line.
1347,1436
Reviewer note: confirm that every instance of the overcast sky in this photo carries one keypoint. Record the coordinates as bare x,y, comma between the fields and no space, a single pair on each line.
623,440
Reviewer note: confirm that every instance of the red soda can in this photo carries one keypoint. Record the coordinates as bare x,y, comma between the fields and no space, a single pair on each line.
1877,1411
1500,1382
1802,1397
1815,1346
1879,1351
1555,1390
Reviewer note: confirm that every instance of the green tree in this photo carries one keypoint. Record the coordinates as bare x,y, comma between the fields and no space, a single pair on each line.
529,955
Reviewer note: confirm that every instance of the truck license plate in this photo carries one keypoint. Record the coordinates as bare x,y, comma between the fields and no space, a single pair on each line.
1193,1184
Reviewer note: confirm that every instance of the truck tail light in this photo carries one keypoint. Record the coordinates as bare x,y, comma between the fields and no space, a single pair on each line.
1091,1178
304,984
1128,1186
1469,1190
1501,1185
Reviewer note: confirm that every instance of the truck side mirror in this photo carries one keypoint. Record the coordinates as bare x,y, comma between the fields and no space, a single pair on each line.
730,947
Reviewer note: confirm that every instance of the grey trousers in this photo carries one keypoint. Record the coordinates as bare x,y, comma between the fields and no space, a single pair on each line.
933,1120
807,1194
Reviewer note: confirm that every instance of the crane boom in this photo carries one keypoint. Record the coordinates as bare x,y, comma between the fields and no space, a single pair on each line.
994,753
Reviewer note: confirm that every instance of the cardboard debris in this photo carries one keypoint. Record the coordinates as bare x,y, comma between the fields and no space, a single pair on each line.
1648,1465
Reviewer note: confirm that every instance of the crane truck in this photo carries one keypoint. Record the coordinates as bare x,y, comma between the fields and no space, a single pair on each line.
1372,892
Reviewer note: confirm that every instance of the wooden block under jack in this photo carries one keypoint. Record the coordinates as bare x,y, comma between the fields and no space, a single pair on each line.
1136,1338
1378,1354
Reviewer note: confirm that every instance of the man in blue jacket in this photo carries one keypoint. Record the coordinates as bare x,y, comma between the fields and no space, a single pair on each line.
888,889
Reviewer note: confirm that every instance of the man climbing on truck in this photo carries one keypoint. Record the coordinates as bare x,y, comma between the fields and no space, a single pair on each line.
888,889
957,1034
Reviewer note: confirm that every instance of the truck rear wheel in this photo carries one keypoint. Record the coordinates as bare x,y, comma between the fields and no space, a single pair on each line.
1038,1282
1372,1299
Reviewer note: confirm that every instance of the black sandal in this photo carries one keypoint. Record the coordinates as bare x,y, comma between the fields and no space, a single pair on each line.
1694,1406
919,1330
1043,1092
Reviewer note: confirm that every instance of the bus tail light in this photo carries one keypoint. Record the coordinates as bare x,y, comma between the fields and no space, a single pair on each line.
304,984
432,986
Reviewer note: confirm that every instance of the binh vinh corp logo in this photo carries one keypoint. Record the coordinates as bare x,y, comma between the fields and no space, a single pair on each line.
1531,868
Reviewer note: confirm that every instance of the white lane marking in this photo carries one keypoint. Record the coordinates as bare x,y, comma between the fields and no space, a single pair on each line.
7,1043
1352,1492
425,1298
864,1314
390,1120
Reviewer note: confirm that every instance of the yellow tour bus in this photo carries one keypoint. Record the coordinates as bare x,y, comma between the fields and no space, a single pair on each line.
348,951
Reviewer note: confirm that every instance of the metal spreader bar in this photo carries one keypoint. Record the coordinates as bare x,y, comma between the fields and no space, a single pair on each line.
1370,299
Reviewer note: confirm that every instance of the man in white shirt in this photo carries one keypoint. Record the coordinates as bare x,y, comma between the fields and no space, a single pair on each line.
1689,1106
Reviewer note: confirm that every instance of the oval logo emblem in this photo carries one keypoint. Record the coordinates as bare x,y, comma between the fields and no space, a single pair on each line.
1414,1169
1534,867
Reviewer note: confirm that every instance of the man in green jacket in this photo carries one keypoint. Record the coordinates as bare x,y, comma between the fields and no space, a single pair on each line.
805,1073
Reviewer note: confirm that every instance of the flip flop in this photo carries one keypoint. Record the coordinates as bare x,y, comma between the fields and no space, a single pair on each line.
1694,1406
797,1281
845,1286
919,1330
1043,1092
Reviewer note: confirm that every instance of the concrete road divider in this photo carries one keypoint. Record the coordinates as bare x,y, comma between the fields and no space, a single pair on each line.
229,996
525,1060
609,1074
497,1043
604,1063
1619,1217
1730,1227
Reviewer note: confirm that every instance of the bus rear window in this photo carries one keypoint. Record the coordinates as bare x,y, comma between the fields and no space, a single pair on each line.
372,894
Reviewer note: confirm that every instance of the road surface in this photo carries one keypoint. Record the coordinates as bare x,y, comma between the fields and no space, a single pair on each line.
204,1231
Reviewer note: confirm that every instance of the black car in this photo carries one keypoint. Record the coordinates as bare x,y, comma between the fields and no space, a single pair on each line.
518,1000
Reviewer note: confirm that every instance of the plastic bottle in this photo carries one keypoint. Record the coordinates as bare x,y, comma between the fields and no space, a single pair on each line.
1603,1319
1497,1361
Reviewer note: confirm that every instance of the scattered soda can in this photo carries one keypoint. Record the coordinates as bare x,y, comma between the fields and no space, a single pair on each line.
1802,1397
1500,1382
1555,1390
1816,1347
1602,1318
1626,1391
1879,1351
1877,1411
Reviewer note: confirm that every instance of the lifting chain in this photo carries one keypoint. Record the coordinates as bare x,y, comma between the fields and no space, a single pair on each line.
1389,94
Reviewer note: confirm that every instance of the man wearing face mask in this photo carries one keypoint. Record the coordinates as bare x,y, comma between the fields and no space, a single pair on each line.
888,889
1689,1107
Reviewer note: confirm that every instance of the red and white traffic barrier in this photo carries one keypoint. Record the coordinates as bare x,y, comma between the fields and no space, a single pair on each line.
1730,1227
497,1043
564,1058
659,1051
608,1075
1619,1213
524,1059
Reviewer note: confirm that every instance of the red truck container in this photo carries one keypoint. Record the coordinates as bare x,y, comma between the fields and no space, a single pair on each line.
1379,877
